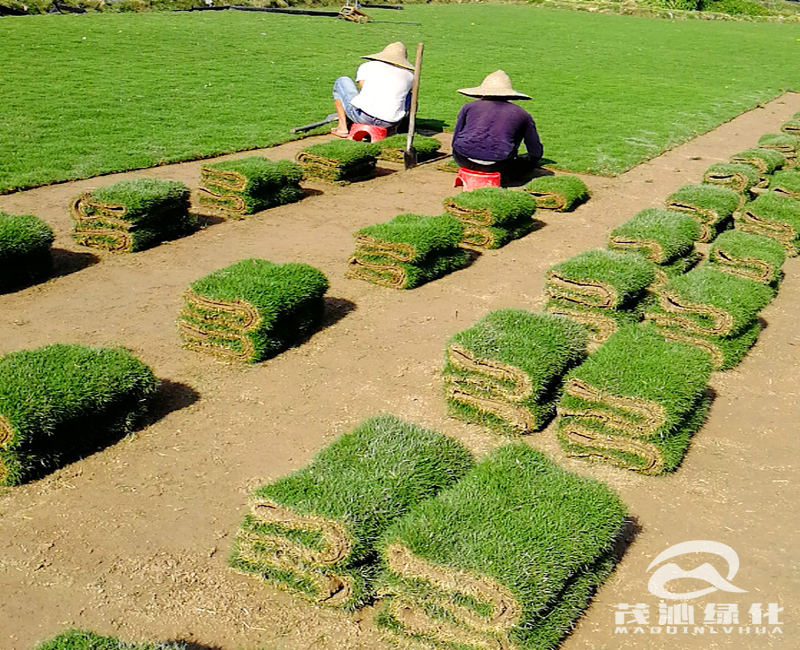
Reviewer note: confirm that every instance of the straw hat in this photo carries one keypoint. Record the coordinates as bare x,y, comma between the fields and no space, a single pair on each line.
394,54
496,84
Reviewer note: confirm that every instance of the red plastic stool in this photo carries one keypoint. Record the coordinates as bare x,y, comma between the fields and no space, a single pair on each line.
368,132
472,180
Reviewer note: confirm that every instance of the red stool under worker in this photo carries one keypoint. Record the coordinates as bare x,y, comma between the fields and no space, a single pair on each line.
368,132
472,180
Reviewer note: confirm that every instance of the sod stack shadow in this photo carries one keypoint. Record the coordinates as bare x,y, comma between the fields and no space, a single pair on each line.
712,206
786,144
786,182
313,532
408,251
392,148
505,371
85,640
493,216
339,161
713,310
600,289
748,256
253,309
740,177
235,188
559,193
25,242
131,216
765,160
636,402
664,237
773,215
509,557
60,402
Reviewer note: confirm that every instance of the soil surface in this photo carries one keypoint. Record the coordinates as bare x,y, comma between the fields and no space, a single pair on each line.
133,540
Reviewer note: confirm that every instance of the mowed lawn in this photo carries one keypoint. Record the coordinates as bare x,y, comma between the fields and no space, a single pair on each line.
91,94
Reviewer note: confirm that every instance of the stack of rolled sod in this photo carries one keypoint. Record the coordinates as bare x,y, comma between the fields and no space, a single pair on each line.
508,557
493,216
786,182
392,148
712,206
775,215
505,371
559,193
130,216
786,144
600,289
740,177
253,309
792,127
748,256
664,237
313,533
765,160
339,161
408,251
25,242
713,310
636,402
235,188
60,402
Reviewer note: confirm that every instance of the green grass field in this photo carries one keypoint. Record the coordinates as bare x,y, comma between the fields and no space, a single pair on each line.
89,94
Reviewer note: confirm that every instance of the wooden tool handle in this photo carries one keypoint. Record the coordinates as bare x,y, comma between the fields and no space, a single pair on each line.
412,117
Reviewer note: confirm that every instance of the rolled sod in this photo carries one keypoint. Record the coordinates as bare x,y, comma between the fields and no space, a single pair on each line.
408,251
60,402
253,309
739,177
600,323
725,352
766,161
236,188
792,127
786,144
559,193
339,161
786,182
710,205
85,640
491,206
773,215
392,148
314,532
600,278
748,256
504,371
635,402
508,557
25,242
131,216
660,236
492,237
664,272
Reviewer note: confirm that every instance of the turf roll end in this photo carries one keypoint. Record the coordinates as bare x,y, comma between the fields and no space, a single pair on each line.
765,160
748,256
559,193
660,236
710,205
773,215
339,161
25,242
739,177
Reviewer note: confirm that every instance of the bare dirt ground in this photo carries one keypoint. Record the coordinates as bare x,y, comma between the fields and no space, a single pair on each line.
133,540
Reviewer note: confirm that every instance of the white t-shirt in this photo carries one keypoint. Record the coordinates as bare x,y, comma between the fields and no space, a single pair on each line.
384,92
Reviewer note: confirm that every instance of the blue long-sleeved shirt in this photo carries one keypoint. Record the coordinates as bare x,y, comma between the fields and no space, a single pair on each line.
489,129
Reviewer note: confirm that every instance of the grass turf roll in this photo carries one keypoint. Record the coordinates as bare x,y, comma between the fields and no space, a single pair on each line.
748,256
786,182
392,148
635,402
786,144
600,323
792,127
710,205
491,206
764,160
314,532
253,309
236,188
85,640
408,250
504,371
739,177
130,216
773,215
600,278
559,193
339,161
660,236
492,237
726,352
508,557
62,401
25,242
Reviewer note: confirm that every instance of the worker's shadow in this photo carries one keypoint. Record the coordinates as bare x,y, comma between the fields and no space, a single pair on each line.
522,174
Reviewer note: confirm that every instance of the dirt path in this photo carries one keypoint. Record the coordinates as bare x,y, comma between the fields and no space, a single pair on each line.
133,540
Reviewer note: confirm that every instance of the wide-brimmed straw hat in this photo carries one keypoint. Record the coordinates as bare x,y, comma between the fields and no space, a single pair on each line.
394,54
497,84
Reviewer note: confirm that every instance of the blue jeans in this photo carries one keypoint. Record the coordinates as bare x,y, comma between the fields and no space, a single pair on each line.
345,89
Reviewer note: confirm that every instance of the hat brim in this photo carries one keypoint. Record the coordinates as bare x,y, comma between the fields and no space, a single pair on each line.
480,92
405,64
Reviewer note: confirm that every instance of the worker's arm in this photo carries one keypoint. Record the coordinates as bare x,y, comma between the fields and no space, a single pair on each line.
532,142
